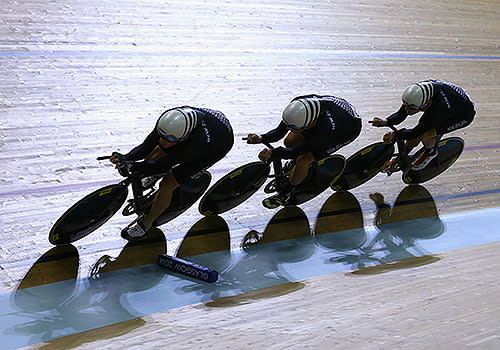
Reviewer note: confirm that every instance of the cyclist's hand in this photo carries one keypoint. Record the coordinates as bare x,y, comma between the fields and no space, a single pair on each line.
121,169
116,158
388,137
265,154
254,139
124,167
379,122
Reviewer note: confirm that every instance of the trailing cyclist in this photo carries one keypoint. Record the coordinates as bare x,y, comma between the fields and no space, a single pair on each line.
445,106
185,142
315,127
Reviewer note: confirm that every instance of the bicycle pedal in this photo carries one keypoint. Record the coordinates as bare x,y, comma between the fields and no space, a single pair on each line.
272,202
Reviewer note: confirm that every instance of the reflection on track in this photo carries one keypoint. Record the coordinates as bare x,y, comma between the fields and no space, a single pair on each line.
53,301
339,225
413,217
50,302
260,264
58,264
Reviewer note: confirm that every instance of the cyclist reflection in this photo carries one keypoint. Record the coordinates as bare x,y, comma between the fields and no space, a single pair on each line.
413,217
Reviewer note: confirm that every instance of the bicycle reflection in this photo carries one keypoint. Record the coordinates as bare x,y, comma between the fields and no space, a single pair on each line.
286,238
290,228
208,235
67,303
58,264
339,225
413,217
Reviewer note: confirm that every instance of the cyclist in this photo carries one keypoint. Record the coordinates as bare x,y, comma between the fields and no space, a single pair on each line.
185,141
446,107
315,127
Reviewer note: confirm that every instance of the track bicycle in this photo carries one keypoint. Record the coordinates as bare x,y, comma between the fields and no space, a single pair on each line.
240,184
95,209
370,160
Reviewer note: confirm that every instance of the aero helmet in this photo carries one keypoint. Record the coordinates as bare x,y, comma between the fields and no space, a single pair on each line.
418,95
176,124
301,113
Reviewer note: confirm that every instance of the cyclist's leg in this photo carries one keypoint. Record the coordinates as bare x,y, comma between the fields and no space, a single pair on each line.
155,154
456,123
411,144
346,132
178,175
429,139
162,199
160,203
430,150
293,139
299,171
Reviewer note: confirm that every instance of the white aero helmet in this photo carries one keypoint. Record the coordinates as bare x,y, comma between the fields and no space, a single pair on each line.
301,113
176,124
418,95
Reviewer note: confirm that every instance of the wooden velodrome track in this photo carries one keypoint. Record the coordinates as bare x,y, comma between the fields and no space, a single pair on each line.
81,79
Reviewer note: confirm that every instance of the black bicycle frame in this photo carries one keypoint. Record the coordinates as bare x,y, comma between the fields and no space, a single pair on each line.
279,176
402,156
135,180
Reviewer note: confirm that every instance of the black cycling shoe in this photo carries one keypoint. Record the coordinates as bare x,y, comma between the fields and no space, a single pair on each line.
273,202
134,231
280,199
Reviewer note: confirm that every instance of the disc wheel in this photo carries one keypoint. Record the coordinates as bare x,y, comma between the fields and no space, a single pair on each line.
183,197
88,214
364,165
449,150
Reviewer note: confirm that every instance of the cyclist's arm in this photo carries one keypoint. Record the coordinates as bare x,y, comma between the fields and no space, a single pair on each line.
157,166
145,148
176,155
275,134
397,117
290,152
425,123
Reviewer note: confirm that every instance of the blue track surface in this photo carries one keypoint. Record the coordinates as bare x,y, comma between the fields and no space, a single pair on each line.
46,312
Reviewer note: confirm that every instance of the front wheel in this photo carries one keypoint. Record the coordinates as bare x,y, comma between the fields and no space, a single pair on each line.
88,214
364,165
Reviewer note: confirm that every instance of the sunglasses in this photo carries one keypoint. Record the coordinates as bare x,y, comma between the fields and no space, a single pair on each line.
409,106
294,127
169,138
